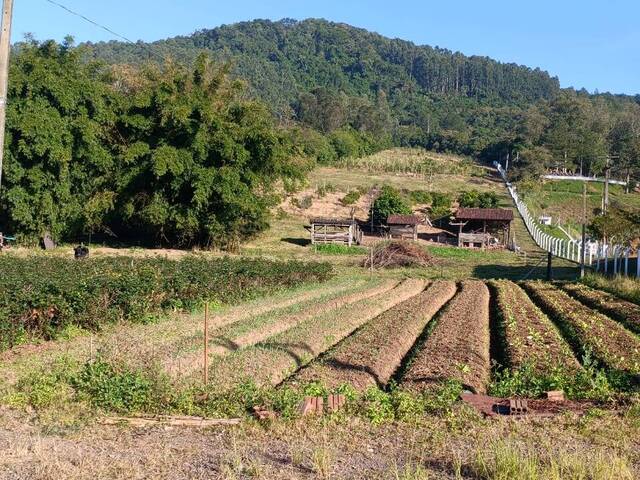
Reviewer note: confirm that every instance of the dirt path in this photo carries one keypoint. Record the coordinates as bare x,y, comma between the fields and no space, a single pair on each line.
458,347
272,361
371,356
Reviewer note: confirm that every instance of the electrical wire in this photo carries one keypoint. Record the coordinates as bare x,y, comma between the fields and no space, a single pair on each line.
86,19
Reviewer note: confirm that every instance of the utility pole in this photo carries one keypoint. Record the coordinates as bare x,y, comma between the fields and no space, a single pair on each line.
607,177
584,229
5,45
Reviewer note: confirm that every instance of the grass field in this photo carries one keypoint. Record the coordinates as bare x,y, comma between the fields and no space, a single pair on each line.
563,201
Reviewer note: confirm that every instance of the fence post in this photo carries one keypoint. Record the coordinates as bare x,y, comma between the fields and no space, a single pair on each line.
626,262
605,256
615,260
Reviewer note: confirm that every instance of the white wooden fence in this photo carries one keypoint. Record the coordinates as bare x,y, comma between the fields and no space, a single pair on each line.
605,258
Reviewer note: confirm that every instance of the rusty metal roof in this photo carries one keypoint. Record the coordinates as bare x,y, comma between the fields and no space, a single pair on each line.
332,221
403,220
500,214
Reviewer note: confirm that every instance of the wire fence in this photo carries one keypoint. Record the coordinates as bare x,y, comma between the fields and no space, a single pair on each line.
609,259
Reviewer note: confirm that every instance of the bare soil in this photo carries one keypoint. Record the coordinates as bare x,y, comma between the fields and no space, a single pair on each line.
225,341
610,342
625,312
372,355
458,347
529,335
272,361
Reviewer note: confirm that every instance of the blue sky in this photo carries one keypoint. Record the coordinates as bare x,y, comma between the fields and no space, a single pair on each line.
595,45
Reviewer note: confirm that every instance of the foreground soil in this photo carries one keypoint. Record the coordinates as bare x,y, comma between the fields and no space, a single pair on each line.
458,445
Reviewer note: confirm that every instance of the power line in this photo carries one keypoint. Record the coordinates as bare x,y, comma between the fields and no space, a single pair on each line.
86,19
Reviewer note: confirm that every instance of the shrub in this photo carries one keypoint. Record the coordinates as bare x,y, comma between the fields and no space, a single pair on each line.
390,202
303,203
420,197
440,205
41,296
322,190
475,199
352,197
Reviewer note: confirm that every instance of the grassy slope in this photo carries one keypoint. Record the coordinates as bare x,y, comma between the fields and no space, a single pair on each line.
563,201
288,237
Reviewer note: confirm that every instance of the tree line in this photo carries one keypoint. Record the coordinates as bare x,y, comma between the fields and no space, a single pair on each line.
334,78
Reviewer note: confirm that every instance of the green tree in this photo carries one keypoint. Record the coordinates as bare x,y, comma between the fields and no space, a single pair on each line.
389,202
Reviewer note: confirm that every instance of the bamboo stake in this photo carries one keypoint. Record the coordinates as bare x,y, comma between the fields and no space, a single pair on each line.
206,344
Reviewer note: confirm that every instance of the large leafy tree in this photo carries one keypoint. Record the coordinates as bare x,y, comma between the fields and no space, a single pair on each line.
59,163
199,162
163,155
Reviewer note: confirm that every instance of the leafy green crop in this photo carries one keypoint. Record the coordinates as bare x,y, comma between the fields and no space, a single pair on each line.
41,296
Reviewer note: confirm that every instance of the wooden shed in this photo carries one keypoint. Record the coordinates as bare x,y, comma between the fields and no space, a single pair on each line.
344,231
403,226
483,227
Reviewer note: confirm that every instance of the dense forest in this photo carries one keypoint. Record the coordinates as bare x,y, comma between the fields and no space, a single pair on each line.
182,141
335,77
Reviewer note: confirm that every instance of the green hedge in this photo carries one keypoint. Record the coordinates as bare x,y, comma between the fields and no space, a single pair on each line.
41,296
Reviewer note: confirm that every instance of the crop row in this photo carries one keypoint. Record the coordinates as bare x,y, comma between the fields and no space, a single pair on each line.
275,359
41,295
250,331
588,330
528,337
625,312
458,347
372,355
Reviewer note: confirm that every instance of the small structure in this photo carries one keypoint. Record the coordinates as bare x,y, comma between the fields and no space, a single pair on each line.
483,227
545,219
404,227
345,231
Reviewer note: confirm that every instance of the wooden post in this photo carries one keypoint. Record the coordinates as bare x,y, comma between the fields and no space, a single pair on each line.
371,261
549,266
5,47
584,229
206,344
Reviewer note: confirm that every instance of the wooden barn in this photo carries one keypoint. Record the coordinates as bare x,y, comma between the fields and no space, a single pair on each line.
404,227
344,231
483,227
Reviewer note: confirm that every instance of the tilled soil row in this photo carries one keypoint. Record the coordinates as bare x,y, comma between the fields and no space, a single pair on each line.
272,361
249,332
372,355
623,311
612,344
529,335
458,347
232,340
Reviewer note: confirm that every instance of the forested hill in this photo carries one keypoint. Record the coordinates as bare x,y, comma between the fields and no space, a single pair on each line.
282,59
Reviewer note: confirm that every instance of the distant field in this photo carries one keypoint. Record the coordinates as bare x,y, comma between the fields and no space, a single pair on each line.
563,201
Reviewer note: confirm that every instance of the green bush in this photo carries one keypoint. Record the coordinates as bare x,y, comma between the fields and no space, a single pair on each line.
390,202
440,205
475,199
352,197
420,197
42,296
116,390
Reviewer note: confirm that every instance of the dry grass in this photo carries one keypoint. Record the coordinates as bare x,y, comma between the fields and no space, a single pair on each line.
252,330
272,361
458,446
